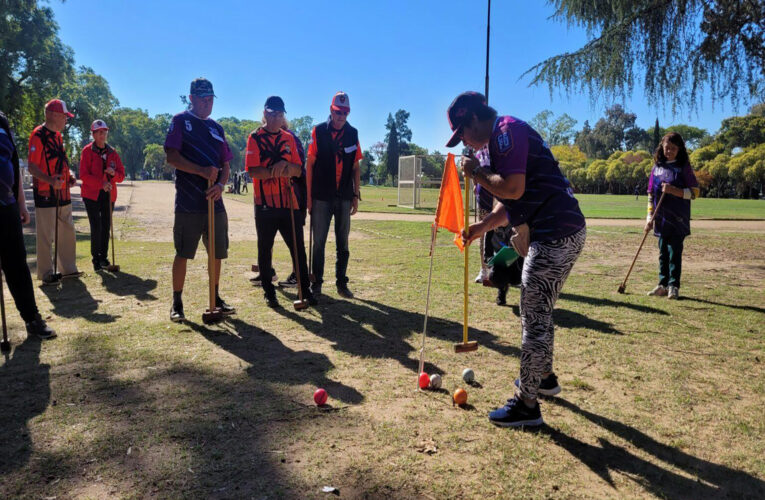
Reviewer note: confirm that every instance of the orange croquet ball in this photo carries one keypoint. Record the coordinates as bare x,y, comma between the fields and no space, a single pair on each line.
460,396
424,380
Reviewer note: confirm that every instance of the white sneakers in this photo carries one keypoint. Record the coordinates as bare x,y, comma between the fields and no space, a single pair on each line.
671,292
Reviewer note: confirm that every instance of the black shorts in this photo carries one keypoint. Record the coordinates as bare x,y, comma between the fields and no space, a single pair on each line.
189,228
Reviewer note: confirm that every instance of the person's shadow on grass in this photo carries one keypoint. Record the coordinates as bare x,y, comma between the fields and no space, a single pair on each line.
708,479
71,299
756,309
370,329
122,284
24,394
571,319
274,362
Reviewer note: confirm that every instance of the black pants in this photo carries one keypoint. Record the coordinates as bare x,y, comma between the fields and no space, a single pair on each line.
267,222
100,218
13,256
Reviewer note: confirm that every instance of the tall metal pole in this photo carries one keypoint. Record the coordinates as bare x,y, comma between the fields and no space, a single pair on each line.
488,29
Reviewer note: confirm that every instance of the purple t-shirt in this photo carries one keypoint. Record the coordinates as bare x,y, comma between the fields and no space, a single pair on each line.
547,205
674,215
7,175
202,142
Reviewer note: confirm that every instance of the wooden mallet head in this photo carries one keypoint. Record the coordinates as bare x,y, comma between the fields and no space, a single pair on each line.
299,305
209,317
113,268
466,346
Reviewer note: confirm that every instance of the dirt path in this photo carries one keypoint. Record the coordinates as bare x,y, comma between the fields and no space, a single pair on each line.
150,205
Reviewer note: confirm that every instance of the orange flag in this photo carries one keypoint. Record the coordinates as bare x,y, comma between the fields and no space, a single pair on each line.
450,214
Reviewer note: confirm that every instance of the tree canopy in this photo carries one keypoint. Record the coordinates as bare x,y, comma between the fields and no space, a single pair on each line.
680,48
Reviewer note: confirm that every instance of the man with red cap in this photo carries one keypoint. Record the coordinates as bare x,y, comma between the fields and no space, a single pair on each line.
334,180
100,170
49,166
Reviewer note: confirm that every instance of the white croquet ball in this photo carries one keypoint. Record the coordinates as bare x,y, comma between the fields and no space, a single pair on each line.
468,375
435,381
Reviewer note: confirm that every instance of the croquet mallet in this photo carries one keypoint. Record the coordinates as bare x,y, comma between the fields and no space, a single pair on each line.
623,286
212,314
5,345
301,303
311,277
113,267
466,346
56,275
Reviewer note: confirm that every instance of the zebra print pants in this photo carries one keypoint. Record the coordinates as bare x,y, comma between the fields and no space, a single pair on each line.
544,272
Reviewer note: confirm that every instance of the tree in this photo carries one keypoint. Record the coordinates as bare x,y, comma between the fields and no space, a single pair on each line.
559,131
131,131
392,150
237,132
680,48
302,127
609,133
155,160
89,98
691,135
33,61
657,135
742,131
367,166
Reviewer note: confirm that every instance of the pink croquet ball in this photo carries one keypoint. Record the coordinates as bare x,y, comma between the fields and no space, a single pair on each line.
424,380
320,397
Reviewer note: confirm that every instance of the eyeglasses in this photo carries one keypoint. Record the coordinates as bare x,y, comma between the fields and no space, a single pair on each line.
340,113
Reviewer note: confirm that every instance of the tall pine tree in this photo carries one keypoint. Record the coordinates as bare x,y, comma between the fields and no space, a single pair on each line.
656,135
393,149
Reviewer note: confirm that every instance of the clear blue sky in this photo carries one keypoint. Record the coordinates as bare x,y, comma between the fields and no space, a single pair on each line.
416,55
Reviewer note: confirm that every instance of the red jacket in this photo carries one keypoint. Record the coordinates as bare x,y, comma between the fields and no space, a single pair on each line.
92,167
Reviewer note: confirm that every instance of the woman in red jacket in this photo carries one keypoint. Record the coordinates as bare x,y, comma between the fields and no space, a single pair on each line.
100,170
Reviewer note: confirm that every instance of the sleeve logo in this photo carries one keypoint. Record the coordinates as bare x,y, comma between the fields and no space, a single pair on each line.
504,143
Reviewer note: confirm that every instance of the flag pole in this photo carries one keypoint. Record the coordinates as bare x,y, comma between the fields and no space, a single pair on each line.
466,346
433,233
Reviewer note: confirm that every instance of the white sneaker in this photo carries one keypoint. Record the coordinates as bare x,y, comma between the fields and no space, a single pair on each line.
674,293
659,291
481,276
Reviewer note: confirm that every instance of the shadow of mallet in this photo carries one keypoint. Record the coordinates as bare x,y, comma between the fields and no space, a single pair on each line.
5,345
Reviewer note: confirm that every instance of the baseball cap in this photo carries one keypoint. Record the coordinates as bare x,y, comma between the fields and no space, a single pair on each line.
460,112
98,125
275,104
58,106
201,87
340,102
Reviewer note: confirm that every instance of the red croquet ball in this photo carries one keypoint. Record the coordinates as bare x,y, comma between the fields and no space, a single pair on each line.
424,380
320,397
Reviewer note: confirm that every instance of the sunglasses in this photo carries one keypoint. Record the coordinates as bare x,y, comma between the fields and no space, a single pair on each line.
340,113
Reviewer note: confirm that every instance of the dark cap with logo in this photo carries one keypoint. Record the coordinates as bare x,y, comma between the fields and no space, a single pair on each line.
460,113
201,87
275,104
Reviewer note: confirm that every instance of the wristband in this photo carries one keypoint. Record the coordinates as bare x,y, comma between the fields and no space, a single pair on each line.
219,184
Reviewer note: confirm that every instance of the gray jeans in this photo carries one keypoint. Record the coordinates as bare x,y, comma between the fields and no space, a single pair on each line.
321,216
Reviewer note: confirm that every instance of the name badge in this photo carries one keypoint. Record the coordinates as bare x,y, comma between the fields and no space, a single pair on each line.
350,149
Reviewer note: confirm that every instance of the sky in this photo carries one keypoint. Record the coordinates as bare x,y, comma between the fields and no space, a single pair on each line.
415,55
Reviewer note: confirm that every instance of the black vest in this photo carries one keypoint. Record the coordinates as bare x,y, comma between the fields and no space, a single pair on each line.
323,183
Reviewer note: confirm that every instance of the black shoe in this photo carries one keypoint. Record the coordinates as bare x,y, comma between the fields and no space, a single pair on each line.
342,290
291,282
272,302
226,309
176,313
97,266
516,414
502,296
547,387
51,279
75,274
310,298
316,290
40,329
258,280
104,262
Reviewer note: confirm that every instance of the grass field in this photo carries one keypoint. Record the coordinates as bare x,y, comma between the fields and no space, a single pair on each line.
660,399
597,206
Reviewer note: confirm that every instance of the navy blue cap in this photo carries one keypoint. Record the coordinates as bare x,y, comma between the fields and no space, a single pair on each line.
275,104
